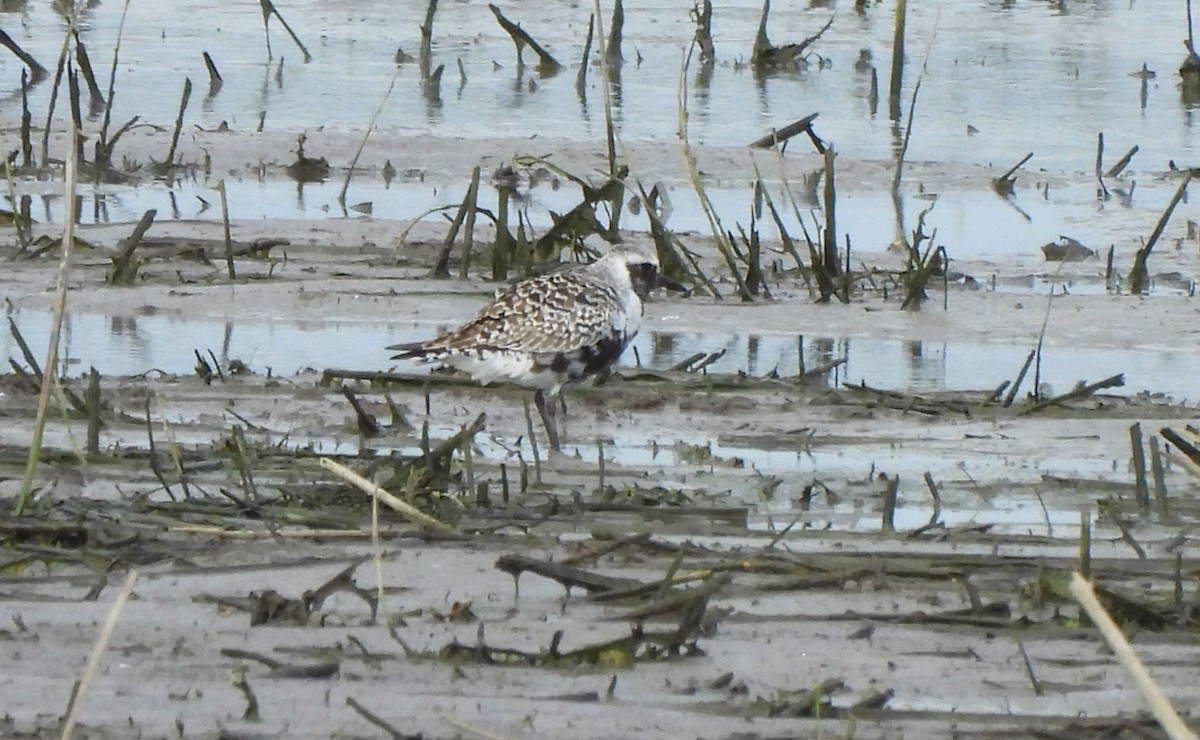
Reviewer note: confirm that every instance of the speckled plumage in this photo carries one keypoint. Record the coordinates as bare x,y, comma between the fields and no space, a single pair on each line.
553,329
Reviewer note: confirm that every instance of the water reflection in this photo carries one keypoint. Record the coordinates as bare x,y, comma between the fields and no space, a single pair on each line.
131,345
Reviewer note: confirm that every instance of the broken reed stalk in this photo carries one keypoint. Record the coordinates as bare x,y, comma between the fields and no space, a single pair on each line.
503,244
901,235
702,15
425,55
26,127
897,61
616,29
1160,706
779,136
91,397
1113,381
37,71
401,507
829,249
889,504
1160,481
1037,351
373,718
341,199
470,203
215,81
1016,386
1139,467
377,556
937,498
581,76
96,97
98,649
268,9
225,234
1139,275
1122,163
50,375
124,266
1085,544
183,102
547,64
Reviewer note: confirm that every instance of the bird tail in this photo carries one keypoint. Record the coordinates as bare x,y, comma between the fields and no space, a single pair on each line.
411,350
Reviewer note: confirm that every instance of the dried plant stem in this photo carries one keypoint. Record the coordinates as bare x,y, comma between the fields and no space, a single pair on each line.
408,511
425,56
183,103
269,9
112,79
225,230
1138,275
897,61
50,375
1161,707
93,664
363,144
724,244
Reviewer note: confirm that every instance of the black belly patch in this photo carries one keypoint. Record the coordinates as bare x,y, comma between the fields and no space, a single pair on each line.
604,353
587,361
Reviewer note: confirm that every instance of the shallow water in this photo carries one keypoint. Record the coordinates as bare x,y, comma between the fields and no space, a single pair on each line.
132,345
1029,77
970,223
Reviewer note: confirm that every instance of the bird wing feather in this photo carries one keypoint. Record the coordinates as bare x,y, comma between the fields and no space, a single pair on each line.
558,312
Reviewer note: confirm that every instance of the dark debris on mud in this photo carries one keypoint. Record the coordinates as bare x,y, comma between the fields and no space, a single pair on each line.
556,575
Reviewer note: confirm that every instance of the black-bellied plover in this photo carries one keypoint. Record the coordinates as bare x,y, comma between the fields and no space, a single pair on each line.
553,329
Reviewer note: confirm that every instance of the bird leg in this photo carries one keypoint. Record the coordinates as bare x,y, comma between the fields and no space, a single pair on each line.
548,411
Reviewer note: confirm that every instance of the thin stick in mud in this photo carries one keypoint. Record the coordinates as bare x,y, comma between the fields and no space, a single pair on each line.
124,266
37,71
1139,275
269,9
225,234
778,136
362,144
1160,484
1083,391
183,103
91,397
897,79
96,97
616,30
1139,467
581,76
215,81
425,55
547,64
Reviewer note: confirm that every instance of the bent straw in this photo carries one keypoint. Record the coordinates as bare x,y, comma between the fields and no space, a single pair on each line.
1166,715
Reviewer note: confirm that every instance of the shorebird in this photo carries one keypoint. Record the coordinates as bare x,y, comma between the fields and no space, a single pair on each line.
553,329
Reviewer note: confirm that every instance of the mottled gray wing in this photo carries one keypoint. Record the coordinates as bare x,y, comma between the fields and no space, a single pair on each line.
559,312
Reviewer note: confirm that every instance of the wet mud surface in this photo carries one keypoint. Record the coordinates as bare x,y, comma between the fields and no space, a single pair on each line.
775,518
